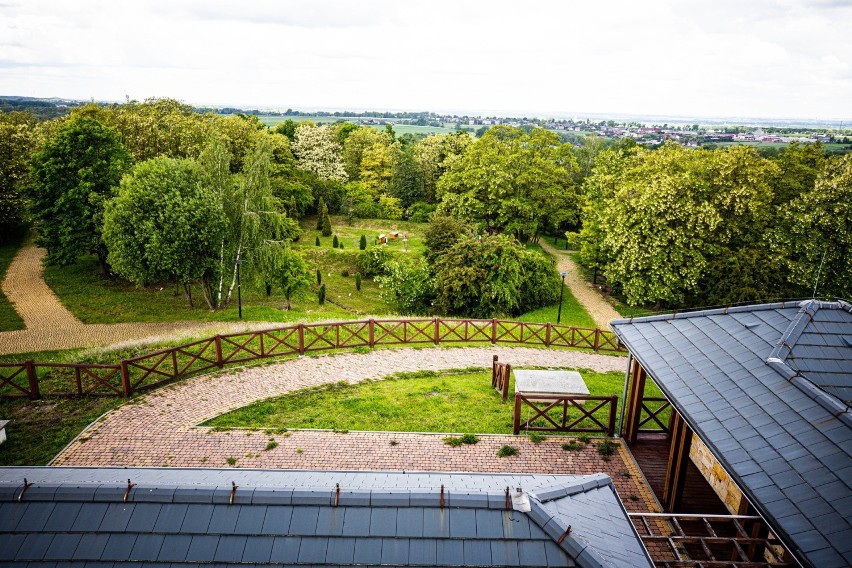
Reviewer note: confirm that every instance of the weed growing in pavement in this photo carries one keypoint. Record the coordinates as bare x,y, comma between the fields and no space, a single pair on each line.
271,446
584,439
606,448
231,461
507,451
537,437
456,441
394,443
572,447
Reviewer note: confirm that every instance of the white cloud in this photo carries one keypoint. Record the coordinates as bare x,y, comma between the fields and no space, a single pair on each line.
721,57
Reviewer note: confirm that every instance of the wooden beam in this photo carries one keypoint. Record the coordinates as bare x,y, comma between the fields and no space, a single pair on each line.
634,402
681,435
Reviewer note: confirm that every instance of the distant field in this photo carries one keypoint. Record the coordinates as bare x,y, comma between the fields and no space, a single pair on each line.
448,128
831,148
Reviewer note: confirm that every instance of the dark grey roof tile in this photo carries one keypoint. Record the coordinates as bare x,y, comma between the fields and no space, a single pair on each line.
555,555
304,520
341,551
202,548
530,553
144,517
258,549
462,523
90,516
313,549
224,519
368,551
197,519
147,547
516,525
34,517
62,546
90,547
351,498
277,519
477,553
330,521
171,517
116,517
119,546
383,521
489,524
423,551
313,497
356,521
230,548
409,522
174,548
272,496
34,546
389,499
395,551
449,552
506,553
71,493
159,494
436,523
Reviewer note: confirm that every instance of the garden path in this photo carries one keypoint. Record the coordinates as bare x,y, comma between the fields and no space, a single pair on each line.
160,429
590,298
50,326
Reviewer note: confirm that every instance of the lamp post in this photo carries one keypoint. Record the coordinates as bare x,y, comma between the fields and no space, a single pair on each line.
561,292
239,293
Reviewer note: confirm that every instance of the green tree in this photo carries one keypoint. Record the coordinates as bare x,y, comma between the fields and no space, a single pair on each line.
72,176
18,141
513,182
326,225
293,275
819,235
286,128
334,242
407,182
317,151
362,244
442,233
322,211
163,224
491,277
407,286
359,141
256,225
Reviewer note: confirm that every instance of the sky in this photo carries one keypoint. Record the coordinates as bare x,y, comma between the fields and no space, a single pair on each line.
716,58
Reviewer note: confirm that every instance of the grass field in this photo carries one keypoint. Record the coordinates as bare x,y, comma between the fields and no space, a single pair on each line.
831,148
415,402
9,318
400,129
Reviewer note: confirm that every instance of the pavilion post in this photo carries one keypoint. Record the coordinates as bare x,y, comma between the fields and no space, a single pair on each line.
681,436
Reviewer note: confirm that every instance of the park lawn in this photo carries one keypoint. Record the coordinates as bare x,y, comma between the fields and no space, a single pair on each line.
93,298
424,401
573,313
9,318
350,235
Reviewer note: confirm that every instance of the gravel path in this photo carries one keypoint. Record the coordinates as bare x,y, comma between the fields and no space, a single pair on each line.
50,326
600,310
160,429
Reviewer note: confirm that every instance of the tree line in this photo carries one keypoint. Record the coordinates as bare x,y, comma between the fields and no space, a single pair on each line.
160,192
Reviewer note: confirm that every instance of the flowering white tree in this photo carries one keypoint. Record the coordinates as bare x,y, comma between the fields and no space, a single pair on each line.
317,151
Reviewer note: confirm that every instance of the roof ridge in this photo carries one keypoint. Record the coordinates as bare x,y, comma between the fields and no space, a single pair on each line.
709,312
777,359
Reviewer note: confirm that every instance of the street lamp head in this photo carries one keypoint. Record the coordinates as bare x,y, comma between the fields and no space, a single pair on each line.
564,274
239,262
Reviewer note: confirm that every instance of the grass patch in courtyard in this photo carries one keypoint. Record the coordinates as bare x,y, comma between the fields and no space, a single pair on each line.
424,401
39,429
9,318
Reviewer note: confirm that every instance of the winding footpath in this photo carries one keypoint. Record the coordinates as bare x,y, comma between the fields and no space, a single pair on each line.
161,428
50,326
600,310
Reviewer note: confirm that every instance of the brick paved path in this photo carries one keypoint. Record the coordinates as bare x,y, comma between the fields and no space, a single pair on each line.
50,326
586,294
159,429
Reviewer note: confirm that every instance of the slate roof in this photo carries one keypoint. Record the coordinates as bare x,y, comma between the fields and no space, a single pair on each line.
767,388
180,516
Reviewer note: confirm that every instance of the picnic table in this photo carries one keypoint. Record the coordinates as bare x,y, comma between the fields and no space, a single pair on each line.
558,383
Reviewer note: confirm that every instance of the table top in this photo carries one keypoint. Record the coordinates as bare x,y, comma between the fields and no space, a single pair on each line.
550,382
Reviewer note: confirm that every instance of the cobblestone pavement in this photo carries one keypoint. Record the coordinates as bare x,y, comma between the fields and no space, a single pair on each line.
160,429
600,310
50,326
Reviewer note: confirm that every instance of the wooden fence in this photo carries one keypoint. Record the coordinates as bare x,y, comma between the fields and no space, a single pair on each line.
568,413
32,379
501,374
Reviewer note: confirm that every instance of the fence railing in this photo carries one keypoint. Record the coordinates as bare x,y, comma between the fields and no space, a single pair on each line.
33,379
501,374
566,413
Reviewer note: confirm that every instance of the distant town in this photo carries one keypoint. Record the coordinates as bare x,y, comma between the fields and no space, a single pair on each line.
710,133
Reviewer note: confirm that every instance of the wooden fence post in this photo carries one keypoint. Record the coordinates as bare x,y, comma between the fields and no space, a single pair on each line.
493,331
547,336
217,340
301,339
125,378
597,337
372,326
613,404
29,365
437,331
516,420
